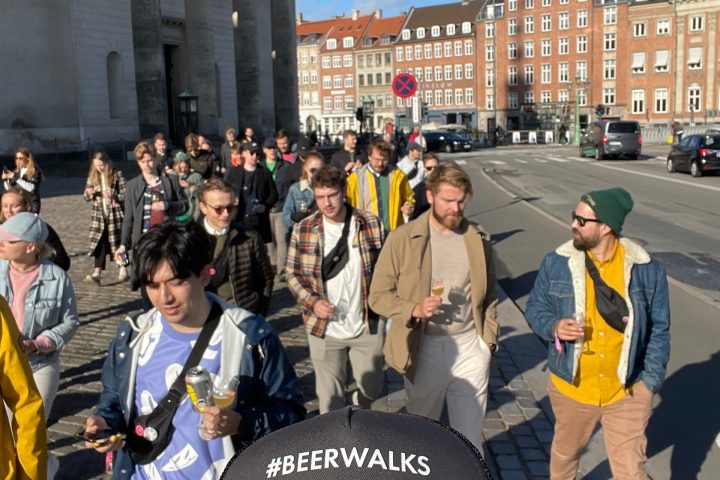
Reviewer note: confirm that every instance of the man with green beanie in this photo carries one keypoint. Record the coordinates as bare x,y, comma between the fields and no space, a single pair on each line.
601,304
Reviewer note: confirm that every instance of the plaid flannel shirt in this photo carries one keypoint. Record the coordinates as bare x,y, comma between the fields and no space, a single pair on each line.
304,263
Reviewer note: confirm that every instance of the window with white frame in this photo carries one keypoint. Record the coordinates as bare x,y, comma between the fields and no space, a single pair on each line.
609,69
349,80
638,62
305,78
563,96
361,79
638,101
696,23
304,57
331,44
468,47
610,41
608,96
512,50
338,102
512,5
582,44
563,46
466,27
512,76
438,97
469,71
428,51
448,97
399,54
545,47
313,76
437,50
313,58
458,48
327,81
314,98
582,97
347,61
695,55
428,74
610,15
639,29
370,79
469,96
337,61
438,74
380,101
450,29
327,103
458,72
563,21
545,96
529,4
405,34
489,77
662,60
435,31
661,100
529,74
546,22
348,42
420,32
694,93
337,81
564,2
489,29
546,3
662,27
582,18
529,97
529,49
447,49
408,53
448,72
545,73
529,24
325,62
350,102
512,101
361,61
490,53
563,72
418,74
401,103
512,26
428,97
459,93
581,70
418,53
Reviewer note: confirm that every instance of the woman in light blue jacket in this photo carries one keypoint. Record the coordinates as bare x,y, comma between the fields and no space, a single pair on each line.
41,298
300,202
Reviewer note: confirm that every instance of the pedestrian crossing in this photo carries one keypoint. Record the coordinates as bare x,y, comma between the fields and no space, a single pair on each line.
531,159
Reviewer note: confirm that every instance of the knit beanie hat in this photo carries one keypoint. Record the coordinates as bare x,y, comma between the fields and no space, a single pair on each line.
351,444
611,206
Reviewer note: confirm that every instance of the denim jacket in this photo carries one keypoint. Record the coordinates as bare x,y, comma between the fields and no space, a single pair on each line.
50,309
299,192
267,396
559,292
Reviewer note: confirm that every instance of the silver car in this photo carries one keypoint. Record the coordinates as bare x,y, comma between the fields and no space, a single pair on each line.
612,138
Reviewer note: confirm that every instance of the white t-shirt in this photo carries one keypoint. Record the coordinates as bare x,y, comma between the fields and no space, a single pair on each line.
344,291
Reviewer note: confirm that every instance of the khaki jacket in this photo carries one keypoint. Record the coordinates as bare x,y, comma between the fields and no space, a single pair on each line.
402,279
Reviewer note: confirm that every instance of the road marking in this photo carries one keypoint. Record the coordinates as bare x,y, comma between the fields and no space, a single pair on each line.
660,158
557,159
461,162
497,162
658,177
521,161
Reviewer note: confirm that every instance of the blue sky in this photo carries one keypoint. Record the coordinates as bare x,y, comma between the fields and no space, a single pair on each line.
318,10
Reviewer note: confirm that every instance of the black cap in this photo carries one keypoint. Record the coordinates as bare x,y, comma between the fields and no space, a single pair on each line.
270,143
249,146
353,444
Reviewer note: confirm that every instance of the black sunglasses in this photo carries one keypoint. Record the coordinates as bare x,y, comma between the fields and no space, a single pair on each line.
582,220
219,209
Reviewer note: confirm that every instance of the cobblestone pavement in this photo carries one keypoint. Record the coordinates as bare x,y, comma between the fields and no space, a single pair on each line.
517,430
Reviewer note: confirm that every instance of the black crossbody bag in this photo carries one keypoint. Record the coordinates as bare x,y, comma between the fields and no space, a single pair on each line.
609,302
152,432
337,258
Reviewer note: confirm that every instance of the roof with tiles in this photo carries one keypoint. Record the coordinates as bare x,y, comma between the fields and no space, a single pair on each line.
442,16
382,27
344,27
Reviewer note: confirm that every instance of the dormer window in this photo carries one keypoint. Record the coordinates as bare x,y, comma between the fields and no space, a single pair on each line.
435,31
420,32
331,44
406,34
348,42
466,27
450,29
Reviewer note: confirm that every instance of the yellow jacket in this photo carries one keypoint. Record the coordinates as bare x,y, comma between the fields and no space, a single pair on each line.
361,193
26,458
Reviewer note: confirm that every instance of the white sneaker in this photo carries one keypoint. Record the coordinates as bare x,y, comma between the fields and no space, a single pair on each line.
53,466
123,274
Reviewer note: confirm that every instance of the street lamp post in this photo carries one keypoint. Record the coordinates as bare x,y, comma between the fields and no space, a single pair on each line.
576,129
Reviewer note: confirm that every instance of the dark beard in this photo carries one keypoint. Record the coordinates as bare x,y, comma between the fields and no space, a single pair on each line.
447,222
584,243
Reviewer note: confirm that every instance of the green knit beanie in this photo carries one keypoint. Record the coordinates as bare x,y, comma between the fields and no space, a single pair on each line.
610,206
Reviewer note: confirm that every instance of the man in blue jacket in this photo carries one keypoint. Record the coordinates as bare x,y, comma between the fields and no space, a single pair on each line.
149,352
601,304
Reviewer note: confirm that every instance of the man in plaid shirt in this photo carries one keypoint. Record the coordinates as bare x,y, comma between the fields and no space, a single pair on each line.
330,263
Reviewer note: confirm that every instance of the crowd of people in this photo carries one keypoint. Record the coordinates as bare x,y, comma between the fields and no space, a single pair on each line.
361,242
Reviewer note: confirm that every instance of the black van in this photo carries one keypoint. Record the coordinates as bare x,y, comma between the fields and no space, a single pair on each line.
606,138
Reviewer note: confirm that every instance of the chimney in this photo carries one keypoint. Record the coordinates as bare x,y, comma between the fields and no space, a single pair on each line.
378,13
355,14
298,18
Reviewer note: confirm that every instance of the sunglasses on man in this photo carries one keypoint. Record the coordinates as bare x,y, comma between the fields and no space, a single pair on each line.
582,220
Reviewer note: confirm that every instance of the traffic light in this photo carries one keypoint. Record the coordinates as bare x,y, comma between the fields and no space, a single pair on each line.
600,110
359,114
424,110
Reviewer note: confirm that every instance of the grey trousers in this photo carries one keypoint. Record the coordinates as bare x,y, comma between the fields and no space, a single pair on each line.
277,250
330,356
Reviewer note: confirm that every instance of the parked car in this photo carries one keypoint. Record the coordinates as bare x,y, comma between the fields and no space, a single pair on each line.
697,154
606,138
446,141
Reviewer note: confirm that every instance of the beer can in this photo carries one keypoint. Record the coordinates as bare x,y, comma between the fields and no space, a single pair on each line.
199,386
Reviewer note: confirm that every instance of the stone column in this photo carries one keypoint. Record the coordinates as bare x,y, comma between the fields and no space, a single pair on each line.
284,44
149,67
200,47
